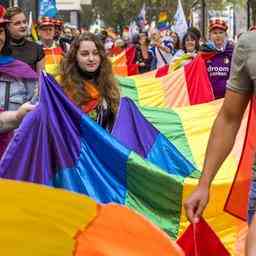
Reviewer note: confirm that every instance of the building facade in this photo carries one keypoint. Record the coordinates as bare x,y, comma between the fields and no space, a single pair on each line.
70,10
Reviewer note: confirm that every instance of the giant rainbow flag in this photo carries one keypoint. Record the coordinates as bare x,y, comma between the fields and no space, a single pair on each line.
150,162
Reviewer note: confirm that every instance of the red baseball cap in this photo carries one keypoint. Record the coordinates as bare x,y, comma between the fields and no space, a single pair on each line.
2,13
218,23
45,21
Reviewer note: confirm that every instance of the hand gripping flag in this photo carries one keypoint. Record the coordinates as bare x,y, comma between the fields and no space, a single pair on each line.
200,240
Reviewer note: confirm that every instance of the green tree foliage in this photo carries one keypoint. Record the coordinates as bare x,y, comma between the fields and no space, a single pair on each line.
121,12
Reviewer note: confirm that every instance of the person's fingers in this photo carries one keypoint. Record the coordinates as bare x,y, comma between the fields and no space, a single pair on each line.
200,209
190,209
190,214
30,107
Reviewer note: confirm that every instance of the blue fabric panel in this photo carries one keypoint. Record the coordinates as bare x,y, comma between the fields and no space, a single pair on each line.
100,171
6,60
166,156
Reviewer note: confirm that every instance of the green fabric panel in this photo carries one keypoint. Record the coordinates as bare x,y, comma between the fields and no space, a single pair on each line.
154,193
195,174
128,88
169,123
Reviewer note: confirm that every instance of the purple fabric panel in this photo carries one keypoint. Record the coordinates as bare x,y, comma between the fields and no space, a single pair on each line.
132,129
218,69
47,140
18,69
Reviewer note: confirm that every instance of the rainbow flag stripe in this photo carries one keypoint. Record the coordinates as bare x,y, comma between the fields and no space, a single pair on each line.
36,220
124,63
53,57
187,85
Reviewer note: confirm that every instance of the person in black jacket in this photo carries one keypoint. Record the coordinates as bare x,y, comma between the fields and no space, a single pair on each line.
143,56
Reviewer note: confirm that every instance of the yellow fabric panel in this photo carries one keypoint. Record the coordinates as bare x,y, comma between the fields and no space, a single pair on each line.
150,92
52,69
228,228
119,66
119,59
38,220
197,122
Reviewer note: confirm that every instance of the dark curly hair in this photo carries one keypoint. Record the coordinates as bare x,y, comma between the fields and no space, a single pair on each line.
105,82
194,37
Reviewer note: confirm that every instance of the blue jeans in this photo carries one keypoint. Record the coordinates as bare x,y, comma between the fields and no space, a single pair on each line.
252,202
252,196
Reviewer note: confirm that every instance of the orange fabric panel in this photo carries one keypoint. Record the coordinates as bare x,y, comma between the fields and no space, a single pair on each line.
176,90
53,59
55,51
237,202
120,70
119,231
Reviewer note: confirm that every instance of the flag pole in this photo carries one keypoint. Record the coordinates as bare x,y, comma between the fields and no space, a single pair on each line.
203,18
36,9
248,14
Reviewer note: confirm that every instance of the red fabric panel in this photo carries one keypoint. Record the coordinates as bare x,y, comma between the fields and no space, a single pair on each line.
207,55
4,140
237,201
163,71
132,67
200,240
198,83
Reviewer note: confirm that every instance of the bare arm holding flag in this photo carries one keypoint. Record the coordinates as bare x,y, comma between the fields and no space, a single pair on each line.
241,87
10,120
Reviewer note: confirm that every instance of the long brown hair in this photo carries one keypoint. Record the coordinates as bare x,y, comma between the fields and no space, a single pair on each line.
105,82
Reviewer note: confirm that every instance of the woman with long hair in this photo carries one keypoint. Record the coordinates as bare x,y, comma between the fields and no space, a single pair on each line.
190,43
87,79
190,47
143,56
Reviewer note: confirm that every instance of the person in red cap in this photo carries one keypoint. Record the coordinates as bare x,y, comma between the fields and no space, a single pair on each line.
52,50
219,65
218,33
46,31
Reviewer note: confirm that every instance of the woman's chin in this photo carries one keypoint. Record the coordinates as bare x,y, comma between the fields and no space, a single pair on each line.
91,70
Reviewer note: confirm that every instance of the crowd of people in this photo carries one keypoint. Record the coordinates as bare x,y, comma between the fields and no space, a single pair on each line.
80,62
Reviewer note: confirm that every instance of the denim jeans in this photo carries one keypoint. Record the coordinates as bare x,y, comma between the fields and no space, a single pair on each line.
252,196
